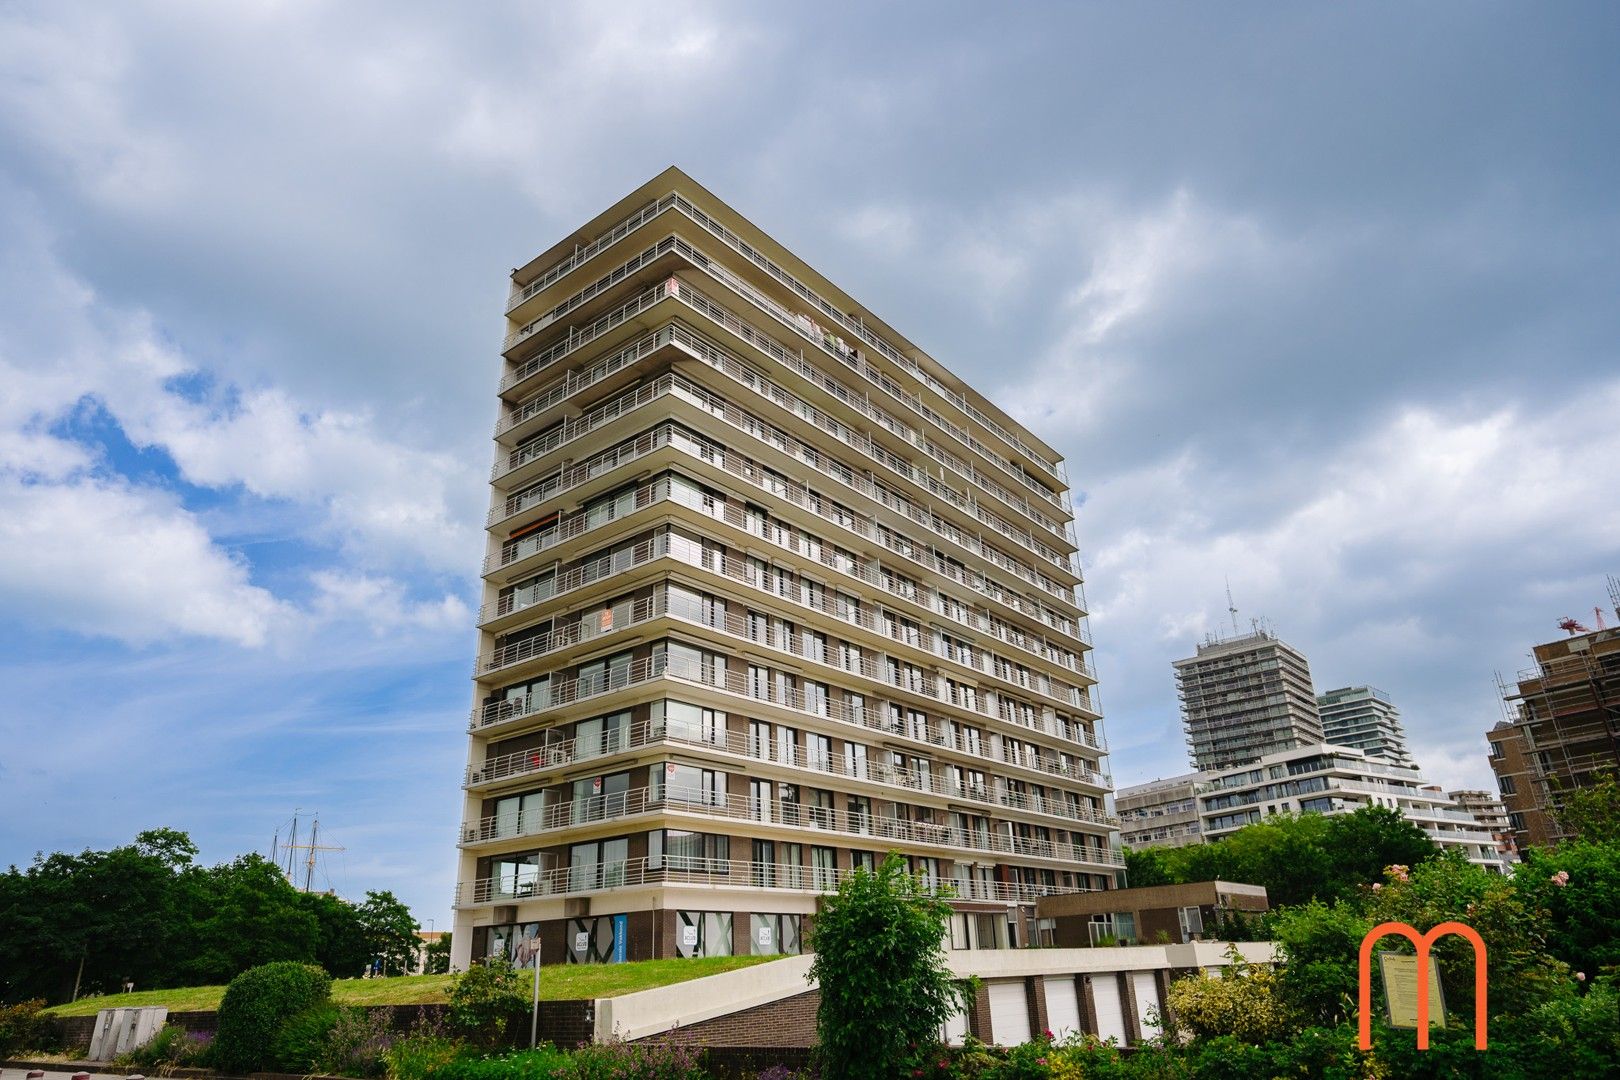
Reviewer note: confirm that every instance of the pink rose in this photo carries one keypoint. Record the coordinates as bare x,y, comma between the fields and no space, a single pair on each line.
1580,976
1560,879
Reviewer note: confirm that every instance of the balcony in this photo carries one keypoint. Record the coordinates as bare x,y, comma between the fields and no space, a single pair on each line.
509,466
570,752
671,870
868,828
819,306
739,571
560,691
749,472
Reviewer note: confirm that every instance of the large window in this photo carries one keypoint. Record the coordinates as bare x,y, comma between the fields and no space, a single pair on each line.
703,933
682,850
599,797
774,935
679,720
679,783
519,814
598,864
602,735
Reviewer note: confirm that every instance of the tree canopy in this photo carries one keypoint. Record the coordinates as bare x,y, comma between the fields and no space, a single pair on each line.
147,913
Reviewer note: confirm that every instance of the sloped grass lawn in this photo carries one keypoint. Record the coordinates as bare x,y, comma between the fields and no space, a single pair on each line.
557,983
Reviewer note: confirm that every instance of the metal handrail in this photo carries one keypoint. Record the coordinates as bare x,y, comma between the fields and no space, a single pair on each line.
741,873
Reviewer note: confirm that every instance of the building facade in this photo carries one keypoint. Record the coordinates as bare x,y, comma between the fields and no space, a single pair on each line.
1364,717
768,593
1490,812
1316,779
1161,813
1245,697
1563,731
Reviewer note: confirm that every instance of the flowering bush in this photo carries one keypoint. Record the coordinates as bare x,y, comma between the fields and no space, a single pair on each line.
1243,1004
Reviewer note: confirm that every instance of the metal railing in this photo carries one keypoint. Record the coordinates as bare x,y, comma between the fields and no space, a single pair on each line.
734,873
638,802
821,306
569,752
562,690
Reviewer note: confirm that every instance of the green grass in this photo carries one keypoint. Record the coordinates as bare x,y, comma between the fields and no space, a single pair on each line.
557,982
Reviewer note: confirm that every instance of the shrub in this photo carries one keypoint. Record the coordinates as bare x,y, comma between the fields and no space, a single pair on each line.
1243,1004
256,1005
23,1027
485,1000
299,1043
543,1063
420,1055
172,1046
885,988
634,1061
357,1043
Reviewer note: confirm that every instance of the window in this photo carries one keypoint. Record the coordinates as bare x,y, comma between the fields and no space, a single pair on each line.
598,864
599,797
855,759
764,863
602,735
774,935
518,814
689,784
818,752
759,800
1507,785
703,933
682,850
824,868
678,720
515,876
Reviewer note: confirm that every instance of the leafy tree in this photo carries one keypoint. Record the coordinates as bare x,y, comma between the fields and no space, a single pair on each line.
1322,945
437,955
1577,887
390,931
341,944
1592,812
880,964
1148,866
244,914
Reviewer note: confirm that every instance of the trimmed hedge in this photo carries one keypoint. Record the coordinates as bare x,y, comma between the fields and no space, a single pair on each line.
258,1003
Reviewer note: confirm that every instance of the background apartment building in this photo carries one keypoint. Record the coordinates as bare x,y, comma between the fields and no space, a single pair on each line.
768,594
1323,779
1365,718
1161,813
1562,731
1489,811
1245,697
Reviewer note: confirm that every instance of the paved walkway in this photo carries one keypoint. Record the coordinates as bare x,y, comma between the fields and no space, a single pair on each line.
58,1073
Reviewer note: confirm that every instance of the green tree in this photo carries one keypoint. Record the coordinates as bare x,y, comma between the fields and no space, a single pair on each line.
243,914
1147,866
341,944
486,1000
1592,811
390,931
1321,943
1576,887
437,955
880,964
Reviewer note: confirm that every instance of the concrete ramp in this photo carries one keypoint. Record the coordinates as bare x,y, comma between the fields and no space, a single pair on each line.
653,1012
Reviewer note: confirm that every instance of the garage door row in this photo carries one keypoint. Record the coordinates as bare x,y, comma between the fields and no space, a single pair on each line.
1123,1006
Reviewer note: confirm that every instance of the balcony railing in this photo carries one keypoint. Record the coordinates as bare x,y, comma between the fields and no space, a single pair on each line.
821,307
638,802
566,690
712,873
935,603
745,375
766,634
801,327
975,657
623,404
750,472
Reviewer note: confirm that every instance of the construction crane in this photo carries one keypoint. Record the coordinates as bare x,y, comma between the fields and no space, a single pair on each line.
1573,627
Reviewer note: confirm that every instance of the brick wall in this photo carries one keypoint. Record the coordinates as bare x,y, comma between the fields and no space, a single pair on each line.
788,1023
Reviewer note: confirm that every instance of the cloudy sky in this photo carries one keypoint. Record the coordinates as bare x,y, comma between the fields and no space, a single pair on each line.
1322,302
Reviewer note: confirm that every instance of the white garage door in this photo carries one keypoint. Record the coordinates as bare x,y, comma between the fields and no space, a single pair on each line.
1009,1013
1062,1007
956,1028
1147,999
1110,1012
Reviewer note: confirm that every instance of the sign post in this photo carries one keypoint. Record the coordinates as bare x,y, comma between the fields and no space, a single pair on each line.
534,1015
1401,990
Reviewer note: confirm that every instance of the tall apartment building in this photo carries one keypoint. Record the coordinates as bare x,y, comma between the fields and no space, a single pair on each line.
1364,717
1245,697
1489,811
768,594
1161,813
1563,730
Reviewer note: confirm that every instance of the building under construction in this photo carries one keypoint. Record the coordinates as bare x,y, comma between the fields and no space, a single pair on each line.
1563,726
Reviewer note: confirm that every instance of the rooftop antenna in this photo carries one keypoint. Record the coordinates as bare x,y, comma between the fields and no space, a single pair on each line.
1231,608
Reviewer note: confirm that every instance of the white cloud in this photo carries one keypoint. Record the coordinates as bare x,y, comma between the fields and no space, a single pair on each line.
382,604
110,560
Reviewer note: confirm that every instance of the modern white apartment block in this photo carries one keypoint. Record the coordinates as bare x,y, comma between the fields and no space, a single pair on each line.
1323,779
1364,717
1244,697
1492,813
769,593
1161,813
